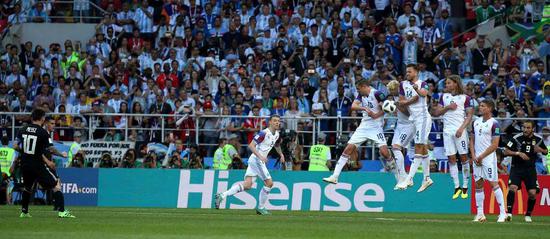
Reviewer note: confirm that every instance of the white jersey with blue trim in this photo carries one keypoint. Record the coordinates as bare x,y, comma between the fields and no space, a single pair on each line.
453,119
265,141
484,132
372,102
420,107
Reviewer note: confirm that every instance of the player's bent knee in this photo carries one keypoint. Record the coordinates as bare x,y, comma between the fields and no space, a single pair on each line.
349,149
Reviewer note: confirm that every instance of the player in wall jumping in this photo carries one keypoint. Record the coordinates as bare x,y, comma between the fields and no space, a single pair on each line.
368,102
413,95
403,133
456,109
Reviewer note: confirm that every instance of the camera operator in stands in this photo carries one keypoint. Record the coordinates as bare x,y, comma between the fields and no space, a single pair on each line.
292,150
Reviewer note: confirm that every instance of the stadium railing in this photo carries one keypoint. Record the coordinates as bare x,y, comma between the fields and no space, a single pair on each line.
334,128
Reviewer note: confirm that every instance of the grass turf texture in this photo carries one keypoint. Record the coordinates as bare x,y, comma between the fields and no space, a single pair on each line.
105,223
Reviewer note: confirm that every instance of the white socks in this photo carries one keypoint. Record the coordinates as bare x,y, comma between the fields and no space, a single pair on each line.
426,166
400,162
263,196
414,167
233,190
342,161
465,174
480,197
500,199
453,170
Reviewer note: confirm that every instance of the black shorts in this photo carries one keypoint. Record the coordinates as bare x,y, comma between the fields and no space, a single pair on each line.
38,173
527,176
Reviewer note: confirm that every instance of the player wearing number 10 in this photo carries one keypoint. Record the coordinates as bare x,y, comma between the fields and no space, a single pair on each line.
457,111
369,102
32,142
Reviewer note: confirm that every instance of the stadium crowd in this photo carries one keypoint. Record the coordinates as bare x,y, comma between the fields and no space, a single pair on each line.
295,58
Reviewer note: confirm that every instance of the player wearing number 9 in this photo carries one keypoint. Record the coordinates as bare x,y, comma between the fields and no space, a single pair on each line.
32,143
484,142
524,149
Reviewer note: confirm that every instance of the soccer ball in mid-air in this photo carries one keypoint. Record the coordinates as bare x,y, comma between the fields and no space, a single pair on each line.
389,106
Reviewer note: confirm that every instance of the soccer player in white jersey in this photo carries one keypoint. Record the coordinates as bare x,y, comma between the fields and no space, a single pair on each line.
457,111
368,101
484,142
403,133
413,95
260,146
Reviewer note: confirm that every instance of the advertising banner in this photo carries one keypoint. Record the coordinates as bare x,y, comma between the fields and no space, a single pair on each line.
542,207
364,191
79,186
95,149
138,187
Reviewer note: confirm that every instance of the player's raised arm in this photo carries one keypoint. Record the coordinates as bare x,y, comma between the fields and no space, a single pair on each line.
403,100
356,106
422,90
440,109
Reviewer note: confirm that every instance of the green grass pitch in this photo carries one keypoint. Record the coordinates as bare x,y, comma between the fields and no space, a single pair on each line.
92,222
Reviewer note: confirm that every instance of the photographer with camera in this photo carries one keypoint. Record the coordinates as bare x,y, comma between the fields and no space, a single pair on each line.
107,161
292,150
319,155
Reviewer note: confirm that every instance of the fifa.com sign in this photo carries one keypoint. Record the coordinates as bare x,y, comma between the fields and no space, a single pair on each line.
364,192
80,186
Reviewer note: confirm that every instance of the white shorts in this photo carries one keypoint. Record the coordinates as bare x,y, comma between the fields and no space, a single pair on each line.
403,135
257,168
453,144
488,170
423,127
368,131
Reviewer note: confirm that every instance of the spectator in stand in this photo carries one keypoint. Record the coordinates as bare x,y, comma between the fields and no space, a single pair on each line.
484,11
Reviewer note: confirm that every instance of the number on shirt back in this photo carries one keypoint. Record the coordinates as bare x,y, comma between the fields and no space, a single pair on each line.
29,143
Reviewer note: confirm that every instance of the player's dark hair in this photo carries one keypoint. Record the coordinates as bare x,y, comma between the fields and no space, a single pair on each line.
489,102
532,123
414,66
37,114
274,116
